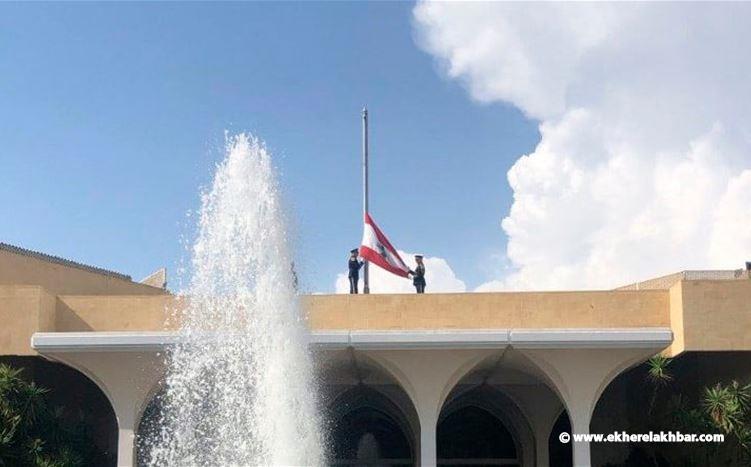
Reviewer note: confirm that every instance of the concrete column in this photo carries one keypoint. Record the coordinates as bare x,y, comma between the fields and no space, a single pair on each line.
428,376
580,425
543,422
128,379
126,437
428,427
542,454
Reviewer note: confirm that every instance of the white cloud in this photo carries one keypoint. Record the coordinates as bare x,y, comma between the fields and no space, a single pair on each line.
438,275
644,162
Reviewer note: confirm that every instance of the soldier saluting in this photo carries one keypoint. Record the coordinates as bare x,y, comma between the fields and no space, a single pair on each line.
354,270
418,275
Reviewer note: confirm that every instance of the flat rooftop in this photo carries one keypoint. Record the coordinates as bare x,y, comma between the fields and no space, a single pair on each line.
706,310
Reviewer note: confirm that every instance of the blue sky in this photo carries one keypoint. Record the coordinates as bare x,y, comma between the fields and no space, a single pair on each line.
113,115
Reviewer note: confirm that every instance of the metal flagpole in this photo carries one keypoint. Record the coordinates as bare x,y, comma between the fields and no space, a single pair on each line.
366,284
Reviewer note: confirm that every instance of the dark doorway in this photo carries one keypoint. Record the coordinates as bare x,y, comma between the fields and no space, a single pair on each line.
473,436
561,454
368,430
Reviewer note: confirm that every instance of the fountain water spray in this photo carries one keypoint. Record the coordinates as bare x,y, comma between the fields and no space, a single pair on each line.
239,387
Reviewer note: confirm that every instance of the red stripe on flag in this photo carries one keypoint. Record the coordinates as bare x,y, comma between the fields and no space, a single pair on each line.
378,260
382,238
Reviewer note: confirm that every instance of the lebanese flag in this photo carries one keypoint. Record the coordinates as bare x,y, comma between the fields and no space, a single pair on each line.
377,249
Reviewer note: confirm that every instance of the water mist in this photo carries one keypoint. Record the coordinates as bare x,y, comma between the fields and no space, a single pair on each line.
239,386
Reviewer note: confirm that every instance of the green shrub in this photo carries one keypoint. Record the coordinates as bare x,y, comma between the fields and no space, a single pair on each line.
36,435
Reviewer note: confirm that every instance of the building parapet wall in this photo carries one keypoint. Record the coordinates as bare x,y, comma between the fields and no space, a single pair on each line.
60,276
666,282
716,315
703,315
24,310
116,312
606,309
531,310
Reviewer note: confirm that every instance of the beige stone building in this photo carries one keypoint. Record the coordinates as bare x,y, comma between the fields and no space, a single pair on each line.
436,379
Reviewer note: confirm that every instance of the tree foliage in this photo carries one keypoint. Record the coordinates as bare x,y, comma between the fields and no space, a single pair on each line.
35,434
719,408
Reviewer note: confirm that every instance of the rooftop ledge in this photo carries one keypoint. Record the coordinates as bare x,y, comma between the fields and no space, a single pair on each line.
155,341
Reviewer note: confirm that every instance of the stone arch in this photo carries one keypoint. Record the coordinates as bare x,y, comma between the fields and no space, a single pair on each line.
517,392
455,365
470,365
617,370
155,391
358,391
75,390
502,408
395,436
605,365
147,424
579,375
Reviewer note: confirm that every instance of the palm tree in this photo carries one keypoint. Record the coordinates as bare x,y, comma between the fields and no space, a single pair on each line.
728,409
722,407
658,369
658,375
21,406
742,395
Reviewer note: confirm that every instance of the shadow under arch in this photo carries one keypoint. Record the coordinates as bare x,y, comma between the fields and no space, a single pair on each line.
148,425
560,454
370,418
634,402
479,425
519,395
366,426
615,362
80,395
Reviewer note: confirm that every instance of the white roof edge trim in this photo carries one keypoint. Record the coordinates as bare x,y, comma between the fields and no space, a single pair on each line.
425,339
591,338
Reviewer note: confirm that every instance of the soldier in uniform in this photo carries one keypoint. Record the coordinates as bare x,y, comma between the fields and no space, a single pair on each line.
418,275
354,270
